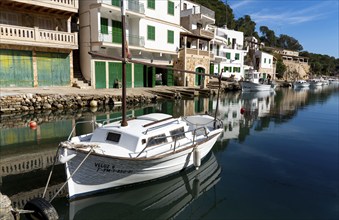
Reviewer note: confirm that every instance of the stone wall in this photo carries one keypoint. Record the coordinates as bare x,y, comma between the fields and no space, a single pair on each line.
34,102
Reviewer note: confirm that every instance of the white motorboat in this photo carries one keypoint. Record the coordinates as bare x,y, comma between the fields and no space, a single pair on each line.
301,84
150,147
253,82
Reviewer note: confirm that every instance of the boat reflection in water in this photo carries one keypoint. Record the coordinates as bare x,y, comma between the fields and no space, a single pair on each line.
161,199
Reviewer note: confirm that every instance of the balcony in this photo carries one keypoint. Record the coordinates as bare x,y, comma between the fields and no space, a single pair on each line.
200,13
48,6
10,34
133,40
131,6
204,33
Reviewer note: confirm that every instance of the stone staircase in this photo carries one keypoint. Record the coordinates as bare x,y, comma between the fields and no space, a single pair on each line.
80,82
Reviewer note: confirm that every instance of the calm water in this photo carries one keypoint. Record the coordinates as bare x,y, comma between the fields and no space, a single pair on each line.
278,158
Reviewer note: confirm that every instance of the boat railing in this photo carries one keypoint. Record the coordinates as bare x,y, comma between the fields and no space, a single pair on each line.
160,126
175,138
94,123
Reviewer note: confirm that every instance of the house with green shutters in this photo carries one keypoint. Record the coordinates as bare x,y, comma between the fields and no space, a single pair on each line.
229,52
152,35
37,42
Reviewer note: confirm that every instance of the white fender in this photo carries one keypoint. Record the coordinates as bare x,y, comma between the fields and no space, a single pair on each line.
196,158
64,159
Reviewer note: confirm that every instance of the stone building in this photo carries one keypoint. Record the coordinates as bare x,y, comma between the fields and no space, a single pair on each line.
37,42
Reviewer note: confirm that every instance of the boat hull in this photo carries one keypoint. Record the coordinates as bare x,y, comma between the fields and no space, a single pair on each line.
251,86
100,172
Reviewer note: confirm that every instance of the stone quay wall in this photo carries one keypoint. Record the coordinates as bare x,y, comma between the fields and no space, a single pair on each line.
34,102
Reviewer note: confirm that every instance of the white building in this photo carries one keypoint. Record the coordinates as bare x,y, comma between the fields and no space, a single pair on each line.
264,64
152,31
227,47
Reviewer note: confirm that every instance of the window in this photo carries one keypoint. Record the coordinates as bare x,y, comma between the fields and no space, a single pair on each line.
116,3
151,4
228,56
150,32
170,37
155,140
264,60
226,68
104,25
170,8
269,61
178,133
237,56
115,137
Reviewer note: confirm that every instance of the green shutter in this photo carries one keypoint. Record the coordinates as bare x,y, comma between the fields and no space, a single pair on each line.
104,25
150,32
116,32
16,68
100,75
228,56
169,80
236,56
151,4
115,72
211,69
116,3
170,9
170,37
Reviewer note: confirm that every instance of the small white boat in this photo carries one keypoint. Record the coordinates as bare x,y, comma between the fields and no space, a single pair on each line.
150,147
315,82
301,84
253,82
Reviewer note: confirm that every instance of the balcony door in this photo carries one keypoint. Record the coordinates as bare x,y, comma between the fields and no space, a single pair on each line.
116,32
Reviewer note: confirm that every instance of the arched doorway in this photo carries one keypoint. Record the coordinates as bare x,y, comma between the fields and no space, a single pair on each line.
199,78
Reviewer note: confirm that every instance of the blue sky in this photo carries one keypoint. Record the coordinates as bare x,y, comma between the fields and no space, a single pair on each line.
314,23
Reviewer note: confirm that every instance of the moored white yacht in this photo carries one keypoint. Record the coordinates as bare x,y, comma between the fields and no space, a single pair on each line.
253,82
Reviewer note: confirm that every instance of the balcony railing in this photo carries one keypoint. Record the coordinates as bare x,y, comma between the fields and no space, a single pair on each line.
19,34
203,32
71,5
132,5
198,11
133,40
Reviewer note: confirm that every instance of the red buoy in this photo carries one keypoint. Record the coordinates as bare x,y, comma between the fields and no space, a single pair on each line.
242,110
32,124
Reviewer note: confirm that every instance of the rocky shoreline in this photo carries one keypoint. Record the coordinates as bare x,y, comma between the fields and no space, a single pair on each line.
35,102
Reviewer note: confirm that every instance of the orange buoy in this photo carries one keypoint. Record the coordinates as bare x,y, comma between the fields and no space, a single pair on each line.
242,110
32,124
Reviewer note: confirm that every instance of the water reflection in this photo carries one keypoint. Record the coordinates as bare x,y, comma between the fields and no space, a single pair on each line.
26,155
162,199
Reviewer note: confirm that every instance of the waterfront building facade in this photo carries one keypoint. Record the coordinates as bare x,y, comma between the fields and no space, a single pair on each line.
227,48
263,62
152,35
194,52
37,42
295,64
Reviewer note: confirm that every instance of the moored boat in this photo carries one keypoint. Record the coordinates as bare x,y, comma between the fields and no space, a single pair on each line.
315,82
150,147
253,82
300,83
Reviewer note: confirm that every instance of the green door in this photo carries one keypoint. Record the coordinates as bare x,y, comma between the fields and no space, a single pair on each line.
199,78
100,75
115,73
169,80
150,76
211,69
53,69
16,68
138,75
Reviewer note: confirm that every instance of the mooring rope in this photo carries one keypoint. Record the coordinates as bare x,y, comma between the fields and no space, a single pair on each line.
89,152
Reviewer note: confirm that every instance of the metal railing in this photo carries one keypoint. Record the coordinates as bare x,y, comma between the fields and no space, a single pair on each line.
113,37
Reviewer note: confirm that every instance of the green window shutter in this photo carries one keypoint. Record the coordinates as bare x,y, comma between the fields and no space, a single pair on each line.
104,25
116,3
151,4
228,56
170,8
264,60
236,56
150,32
170,37
116,32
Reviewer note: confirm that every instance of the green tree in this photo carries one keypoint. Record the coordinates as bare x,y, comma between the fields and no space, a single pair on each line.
268,36
286,42
247,26
280,68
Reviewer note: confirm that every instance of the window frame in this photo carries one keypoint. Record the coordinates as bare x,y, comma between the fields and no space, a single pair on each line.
170,37
170,7
150,36
151,4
